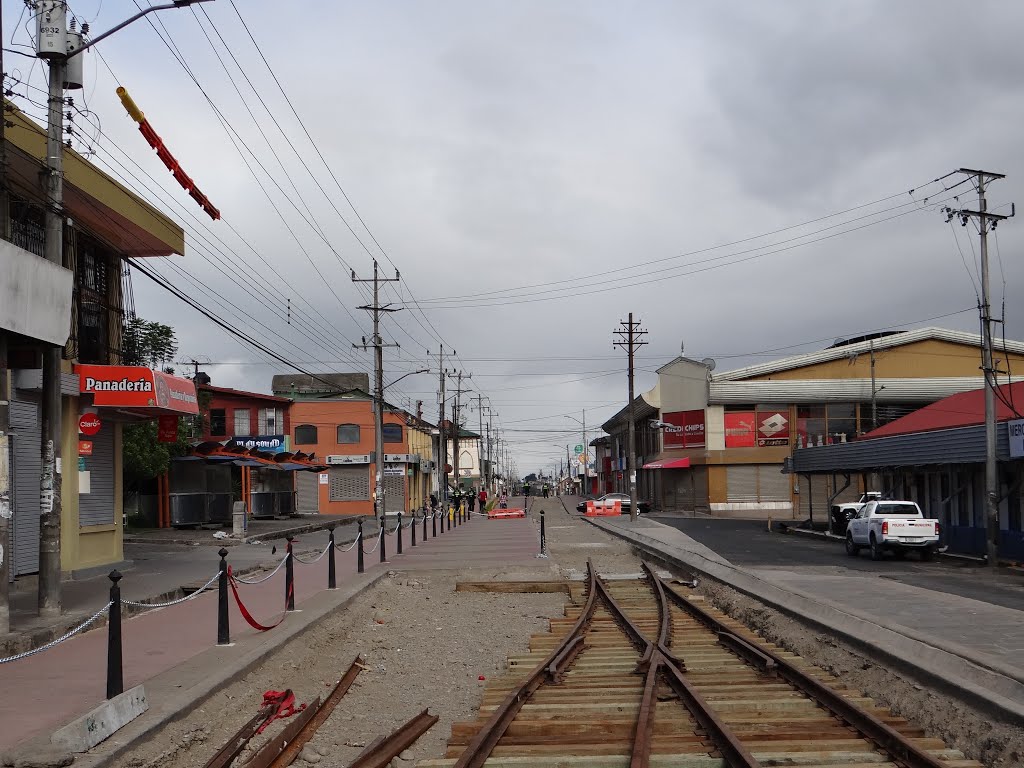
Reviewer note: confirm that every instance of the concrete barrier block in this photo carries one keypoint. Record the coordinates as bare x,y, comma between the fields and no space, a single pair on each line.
101,723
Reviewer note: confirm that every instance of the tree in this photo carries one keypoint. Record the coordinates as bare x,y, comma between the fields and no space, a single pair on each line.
148,343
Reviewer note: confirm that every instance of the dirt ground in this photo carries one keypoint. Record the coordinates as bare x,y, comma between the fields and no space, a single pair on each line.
424,644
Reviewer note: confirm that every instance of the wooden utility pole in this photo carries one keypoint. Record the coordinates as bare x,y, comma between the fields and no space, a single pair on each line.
378,391
629,339
986,221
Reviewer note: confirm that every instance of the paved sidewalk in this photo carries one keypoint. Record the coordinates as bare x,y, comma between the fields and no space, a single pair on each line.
61,683
972,645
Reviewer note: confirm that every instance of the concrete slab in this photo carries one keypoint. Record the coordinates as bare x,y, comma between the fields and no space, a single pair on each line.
102,722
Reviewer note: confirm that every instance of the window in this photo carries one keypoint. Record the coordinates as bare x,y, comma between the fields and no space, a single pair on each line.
392,433
241,417
92,332
218,422
842,422
271,421
305,434
348,434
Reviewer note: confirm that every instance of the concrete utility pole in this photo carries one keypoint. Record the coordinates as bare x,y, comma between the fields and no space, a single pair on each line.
987,221
6,509
378,396
442,466
874,390
480,438
629,336
55,44
490,465
456,415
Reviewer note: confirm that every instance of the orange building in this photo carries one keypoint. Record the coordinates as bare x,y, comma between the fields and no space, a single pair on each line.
337,425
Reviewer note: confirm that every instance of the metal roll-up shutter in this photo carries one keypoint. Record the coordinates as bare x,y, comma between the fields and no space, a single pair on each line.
741,483
97,506
307,493
681,490
818,486
24,544
349,483
772,484
394,494
700,489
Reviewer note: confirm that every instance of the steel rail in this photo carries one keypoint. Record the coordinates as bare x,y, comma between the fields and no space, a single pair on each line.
301,738
735,754
272,749
486,738
382,751
640,756
234,746
888,739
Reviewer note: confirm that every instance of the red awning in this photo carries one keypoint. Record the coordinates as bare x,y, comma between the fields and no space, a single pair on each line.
668,464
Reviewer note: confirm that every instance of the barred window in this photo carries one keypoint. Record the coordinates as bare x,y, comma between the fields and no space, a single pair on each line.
349,483
348,434
392,433
305,434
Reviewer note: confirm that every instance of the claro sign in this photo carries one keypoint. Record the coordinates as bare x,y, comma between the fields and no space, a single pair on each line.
126,386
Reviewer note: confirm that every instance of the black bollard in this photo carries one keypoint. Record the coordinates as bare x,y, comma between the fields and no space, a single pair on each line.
115,675
424,525
543,537
399,532
433,522
383,537
412,528
359,557
450,515
223,630
289,577
332,573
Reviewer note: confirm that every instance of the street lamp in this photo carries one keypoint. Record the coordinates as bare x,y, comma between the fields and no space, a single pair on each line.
58,46
410,373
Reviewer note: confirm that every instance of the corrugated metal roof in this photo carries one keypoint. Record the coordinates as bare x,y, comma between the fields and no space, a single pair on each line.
862,347
960,410
841,390
962,445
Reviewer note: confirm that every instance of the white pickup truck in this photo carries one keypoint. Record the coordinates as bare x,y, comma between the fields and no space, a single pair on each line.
898,526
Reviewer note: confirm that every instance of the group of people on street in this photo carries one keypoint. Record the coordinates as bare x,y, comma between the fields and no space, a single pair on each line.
471,498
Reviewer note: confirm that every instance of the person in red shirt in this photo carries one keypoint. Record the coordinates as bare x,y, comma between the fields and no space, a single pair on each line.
482,497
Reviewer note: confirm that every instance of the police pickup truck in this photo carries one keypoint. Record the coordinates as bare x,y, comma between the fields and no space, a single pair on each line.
897,526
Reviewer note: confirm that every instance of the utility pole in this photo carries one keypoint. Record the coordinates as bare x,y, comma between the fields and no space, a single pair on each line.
585,484
456,415
874,391
442,466
629,336
490,465
6,509
480,438
378,395
987,221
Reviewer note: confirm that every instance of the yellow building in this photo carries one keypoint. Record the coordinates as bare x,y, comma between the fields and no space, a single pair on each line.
79,306
421,444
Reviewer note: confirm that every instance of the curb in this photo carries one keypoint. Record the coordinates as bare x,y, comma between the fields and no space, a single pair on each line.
178,691
985,682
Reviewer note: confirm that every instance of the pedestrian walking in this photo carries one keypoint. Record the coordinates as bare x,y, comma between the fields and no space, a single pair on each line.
503,500
433,501
482,496
472,503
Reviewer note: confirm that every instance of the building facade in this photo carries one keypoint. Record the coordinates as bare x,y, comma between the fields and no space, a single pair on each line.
724,436
79,306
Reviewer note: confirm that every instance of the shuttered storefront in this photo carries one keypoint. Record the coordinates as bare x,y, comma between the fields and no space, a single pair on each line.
349,483
26,468
823,486
394,494
307,493
97,506
756,483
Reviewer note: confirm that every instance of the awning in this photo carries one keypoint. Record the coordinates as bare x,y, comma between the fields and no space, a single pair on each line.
668,464
137,389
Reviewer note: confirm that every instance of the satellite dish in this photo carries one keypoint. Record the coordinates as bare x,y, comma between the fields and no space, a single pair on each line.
709,362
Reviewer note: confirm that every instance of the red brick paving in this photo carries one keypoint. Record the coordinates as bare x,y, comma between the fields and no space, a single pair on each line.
57,685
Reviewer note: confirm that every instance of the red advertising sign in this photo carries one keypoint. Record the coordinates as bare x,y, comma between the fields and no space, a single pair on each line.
85,447
167,429
685,430
772,428
125,386
739,430
89,424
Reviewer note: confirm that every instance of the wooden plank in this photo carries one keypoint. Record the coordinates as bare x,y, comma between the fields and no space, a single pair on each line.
513,587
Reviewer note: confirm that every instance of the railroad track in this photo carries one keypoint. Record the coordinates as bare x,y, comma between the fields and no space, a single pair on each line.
644,674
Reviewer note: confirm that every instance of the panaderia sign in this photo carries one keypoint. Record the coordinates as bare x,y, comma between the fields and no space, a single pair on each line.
127,386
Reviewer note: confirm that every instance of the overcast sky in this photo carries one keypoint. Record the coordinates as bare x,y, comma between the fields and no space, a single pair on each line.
537,170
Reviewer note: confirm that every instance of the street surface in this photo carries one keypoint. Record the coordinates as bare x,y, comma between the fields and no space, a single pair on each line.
748,543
